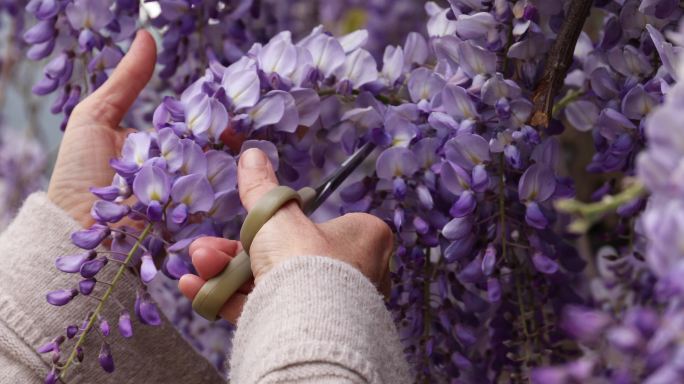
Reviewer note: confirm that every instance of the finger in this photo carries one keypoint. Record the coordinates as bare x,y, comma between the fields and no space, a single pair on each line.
209,262
111,101
255,177
232,309
224,245
190,284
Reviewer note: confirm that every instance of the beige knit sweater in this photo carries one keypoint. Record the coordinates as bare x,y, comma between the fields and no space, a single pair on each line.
310,320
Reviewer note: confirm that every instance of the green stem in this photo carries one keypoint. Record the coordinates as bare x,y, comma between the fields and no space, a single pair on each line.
590,213
427,271
105,297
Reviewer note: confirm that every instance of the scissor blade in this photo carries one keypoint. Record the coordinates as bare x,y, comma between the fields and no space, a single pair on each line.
329,185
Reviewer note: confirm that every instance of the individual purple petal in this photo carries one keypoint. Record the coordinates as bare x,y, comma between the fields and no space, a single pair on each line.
221,171
125,326
534,216
465,205
278,56
136,148
176,266
45,86
104,327
472,272
638,103
194,191
86,286
457,228
268,111
396,162
108,212
424,84
154,211
476,26
52,376
544,264
71,331
475,60
454,178
393,64
92,267
42,31
537,183
327,54
61,297
243,88
582,115
146,310
308,105
108,193
41,50
425,197
72,263
603,83
198,115
105,358
91,237
353,41
219,120
359,68
489,260
147,269
459,248
467,151
415,49
493,290
171,149
227,205
151,184
457,103
480,178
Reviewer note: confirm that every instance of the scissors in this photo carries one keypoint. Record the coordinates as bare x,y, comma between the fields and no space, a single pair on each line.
215,292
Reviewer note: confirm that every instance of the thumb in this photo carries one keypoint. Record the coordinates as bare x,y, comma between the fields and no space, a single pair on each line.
109,103
255,177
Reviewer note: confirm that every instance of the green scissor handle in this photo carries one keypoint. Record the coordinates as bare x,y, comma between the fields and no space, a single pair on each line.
219,289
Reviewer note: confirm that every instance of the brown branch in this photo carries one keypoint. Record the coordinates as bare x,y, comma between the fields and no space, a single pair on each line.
558,62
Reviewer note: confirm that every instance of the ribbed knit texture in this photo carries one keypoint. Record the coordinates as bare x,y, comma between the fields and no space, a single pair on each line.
310,320
315,319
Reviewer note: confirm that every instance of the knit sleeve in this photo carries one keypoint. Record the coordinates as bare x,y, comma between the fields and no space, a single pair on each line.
28,249
315,319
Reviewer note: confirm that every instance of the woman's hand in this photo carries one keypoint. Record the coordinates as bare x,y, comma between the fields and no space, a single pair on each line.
93,135
358,239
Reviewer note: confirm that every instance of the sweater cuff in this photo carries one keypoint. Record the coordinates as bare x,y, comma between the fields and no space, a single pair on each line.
316,309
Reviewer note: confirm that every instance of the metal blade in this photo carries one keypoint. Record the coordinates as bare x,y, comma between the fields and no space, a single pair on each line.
329,185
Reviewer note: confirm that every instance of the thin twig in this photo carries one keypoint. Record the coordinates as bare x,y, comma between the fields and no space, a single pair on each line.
559,62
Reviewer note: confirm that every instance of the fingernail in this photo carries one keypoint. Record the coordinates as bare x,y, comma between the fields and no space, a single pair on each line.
253,158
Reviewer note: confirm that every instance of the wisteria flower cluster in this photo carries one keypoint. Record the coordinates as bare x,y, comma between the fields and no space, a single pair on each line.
488,284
